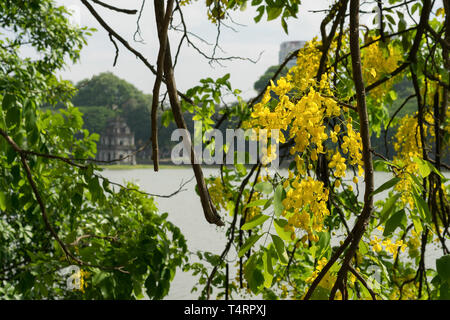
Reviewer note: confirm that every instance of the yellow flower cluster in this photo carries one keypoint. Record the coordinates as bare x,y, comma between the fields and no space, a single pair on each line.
185,2
219,194
447,123
389,246
328,279
306,118
353,146
428,90
338,162
378,61
308,60
268,154
320,264
252,211
409,290
302,104
408,144
305,205
82,275
414,240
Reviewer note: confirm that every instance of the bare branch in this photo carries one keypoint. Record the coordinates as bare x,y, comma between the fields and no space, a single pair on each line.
209,210
361,279
232,227
110,7
180,188
117,49
126,44
162,24
211,58
138,27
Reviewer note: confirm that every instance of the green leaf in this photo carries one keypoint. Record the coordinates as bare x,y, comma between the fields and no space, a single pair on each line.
94,188
256,221
387,185
77,199
320,293
417,223
416,183
388,207
248,244
256,2
268,269
268,203
444,291
250,266
390,19
99,277
324,243
398,219
415,7
281,250
256,203
8,101
424,167
260,14
363,248
279,228
273,12
166,118
422,207
284,25
252,274
443,267
264,187
2,201
279,195
393,95
240,168
13,117
380,165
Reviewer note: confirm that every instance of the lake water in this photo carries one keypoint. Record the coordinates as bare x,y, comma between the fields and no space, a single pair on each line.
185,211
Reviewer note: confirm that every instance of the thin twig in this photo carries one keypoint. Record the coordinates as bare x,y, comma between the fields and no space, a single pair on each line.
110,7
361,279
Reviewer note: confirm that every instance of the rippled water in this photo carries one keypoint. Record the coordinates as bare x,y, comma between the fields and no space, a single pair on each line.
185,211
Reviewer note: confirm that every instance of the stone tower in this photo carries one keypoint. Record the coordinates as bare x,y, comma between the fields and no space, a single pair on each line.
116,142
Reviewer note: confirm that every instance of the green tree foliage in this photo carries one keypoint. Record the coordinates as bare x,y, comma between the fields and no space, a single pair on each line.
304,235
56,210
263,80
95,118
119,96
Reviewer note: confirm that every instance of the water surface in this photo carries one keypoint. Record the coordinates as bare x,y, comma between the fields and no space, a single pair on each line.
185,211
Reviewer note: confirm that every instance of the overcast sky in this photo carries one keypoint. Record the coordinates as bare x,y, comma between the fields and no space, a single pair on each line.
249,41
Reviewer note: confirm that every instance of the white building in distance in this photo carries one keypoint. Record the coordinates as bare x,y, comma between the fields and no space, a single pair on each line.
286,48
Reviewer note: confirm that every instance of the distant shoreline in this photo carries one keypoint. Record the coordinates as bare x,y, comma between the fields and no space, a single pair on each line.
169,165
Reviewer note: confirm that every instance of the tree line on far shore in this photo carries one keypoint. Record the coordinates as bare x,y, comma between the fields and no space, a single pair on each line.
105,96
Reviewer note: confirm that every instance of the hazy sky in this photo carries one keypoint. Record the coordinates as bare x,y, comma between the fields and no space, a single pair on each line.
249,41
